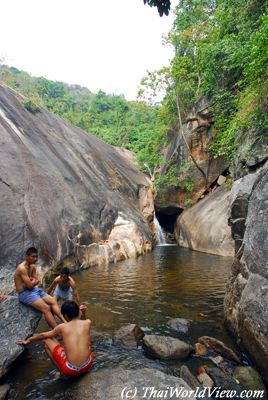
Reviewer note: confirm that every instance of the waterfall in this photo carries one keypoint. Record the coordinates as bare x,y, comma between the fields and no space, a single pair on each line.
160,238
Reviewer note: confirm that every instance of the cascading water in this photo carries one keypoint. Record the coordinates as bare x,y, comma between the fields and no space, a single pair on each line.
160,238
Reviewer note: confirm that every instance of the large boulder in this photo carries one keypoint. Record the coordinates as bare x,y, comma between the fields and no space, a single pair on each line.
128,336
117,383
179,324
246,299
63,190
166,347
249,378
17,321
204,226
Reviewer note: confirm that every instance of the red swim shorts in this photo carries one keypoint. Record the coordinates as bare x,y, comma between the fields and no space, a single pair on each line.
65,367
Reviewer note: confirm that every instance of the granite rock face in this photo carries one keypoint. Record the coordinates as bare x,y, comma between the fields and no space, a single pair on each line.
119,382
63,190
246,299
199,132
204,226
17,321
238,207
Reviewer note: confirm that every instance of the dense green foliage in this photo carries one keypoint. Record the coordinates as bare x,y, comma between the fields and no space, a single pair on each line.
221,50
133,125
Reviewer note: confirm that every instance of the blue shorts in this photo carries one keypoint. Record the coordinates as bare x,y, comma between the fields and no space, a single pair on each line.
30,296
63,294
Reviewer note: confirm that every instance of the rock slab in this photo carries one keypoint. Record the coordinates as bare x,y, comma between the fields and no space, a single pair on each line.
17,321
246,298
118,383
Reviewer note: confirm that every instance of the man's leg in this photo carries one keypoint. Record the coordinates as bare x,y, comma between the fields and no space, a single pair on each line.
50,345
52,302
42,306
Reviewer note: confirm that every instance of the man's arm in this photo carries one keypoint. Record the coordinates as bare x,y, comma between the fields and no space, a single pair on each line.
53,285
29,283
41,336
75,291
34,275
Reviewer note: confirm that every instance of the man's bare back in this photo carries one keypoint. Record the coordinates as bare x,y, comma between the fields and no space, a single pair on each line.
75,357
75,335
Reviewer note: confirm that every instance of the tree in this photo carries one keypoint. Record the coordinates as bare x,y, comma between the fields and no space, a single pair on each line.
163,6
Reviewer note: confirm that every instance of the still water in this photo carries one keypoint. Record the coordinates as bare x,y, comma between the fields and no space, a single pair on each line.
171,282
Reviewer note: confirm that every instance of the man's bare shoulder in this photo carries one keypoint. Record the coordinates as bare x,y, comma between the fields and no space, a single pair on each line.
72,282
21,267
59,329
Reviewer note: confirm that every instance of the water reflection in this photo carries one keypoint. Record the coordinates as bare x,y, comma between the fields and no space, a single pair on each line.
170,282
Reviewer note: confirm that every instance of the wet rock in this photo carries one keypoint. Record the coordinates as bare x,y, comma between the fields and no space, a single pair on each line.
128,336
179,324
4,389
189,378
200,349
17,321
204,226
249,378
219,347
205,380
166,347
223,381
117,383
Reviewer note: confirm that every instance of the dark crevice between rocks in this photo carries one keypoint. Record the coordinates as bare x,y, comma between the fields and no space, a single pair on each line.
215,183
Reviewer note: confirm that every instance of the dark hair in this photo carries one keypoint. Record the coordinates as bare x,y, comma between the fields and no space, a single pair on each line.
70,309
65,271
31,250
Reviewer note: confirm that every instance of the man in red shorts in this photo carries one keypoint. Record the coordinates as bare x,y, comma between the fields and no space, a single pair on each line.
75,357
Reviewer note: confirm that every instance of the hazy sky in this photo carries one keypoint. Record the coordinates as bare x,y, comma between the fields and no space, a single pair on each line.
100,44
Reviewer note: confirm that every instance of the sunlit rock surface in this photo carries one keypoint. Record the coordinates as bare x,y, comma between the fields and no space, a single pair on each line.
204,226
64,191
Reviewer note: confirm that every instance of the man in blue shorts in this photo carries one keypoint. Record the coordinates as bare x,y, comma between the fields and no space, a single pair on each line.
26,281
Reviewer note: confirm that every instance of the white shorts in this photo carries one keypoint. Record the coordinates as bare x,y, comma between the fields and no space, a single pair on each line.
63,294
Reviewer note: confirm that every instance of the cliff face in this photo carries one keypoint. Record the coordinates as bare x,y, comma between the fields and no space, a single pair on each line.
63,190
246,299
198,132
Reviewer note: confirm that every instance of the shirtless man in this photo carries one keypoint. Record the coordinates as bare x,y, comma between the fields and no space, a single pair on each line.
76,357
26,281
65,287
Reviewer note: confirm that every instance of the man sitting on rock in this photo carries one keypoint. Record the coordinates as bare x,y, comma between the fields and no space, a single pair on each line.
26,281
76,357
